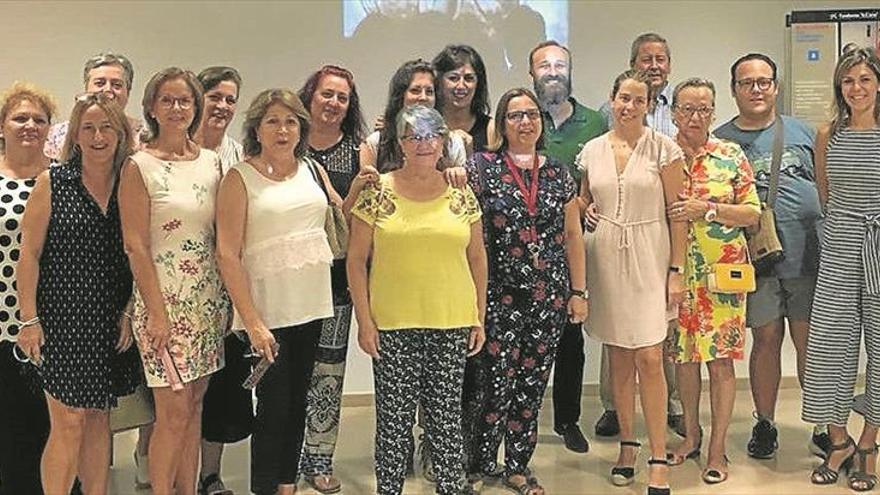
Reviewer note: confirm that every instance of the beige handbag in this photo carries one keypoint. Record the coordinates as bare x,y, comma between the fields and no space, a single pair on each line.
335,224
764,245
133,411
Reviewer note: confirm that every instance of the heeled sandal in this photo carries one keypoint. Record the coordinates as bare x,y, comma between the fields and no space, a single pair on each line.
859,479
824,475
625,475
658,490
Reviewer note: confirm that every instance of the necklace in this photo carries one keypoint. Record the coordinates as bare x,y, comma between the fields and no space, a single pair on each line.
270,170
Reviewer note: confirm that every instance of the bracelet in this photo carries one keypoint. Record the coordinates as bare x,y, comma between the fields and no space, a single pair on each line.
583,294
29,323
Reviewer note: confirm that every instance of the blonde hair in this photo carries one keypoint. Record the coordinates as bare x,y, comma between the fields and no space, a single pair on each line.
24,91
72,151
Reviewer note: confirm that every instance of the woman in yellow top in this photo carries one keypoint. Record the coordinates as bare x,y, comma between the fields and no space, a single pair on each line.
721,201
420,310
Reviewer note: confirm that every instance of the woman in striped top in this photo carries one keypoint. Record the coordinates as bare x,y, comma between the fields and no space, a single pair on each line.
847,298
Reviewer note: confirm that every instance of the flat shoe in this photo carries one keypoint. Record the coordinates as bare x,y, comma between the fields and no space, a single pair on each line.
324,483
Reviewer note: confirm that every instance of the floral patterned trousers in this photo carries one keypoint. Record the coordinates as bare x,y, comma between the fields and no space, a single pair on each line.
419,366
523,330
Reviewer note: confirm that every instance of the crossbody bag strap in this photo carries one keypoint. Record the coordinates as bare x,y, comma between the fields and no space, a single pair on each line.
775,160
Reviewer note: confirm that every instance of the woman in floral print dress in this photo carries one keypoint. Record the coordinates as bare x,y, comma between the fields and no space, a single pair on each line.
166,199
721,200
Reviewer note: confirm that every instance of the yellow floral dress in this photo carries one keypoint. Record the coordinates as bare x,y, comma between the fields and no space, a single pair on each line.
712,326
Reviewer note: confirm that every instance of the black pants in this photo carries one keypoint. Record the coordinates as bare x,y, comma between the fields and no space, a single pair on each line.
228,409
24,429
277,440
568,378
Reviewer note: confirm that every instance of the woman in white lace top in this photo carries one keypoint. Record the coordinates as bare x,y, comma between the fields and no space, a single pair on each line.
275,261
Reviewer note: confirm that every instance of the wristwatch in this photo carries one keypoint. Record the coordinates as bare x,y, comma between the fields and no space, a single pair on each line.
584,294
712,212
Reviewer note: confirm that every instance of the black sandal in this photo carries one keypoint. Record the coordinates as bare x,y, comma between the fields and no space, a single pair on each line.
677,460
860,480
824,475
213,485
624,475
658,490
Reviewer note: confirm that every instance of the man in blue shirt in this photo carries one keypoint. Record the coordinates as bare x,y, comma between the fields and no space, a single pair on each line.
650,53
786,292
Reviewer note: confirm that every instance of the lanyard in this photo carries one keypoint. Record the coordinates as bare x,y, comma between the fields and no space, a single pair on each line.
530,196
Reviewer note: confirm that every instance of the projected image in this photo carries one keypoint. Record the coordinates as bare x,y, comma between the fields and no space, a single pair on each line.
513,26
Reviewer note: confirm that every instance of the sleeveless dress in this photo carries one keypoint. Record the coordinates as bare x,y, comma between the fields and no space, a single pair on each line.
846,305
84,285
182,240
628,254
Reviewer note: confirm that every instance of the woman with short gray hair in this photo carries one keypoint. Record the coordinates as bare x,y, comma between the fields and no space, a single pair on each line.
720,201
420,308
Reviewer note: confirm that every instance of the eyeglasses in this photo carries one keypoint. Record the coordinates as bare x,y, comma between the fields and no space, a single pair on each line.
420,138
519,115
688,111
764,83
167,102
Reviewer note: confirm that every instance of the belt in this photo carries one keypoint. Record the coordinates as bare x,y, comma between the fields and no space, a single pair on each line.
625,241
870,249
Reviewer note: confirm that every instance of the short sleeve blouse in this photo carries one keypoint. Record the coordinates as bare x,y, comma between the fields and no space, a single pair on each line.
420,276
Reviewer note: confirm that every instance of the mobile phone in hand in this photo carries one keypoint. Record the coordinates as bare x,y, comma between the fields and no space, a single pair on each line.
259,370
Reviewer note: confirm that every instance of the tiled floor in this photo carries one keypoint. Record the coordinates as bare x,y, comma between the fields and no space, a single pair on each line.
561,471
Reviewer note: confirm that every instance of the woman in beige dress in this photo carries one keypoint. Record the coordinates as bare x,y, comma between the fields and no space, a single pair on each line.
634,264
166,200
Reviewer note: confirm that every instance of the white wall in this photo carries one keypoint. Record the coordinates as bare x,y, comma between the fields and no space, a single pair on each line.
278,44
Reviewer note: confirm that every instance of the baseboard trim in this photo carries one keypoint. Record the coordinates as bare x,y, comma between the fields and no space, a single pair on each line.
592,390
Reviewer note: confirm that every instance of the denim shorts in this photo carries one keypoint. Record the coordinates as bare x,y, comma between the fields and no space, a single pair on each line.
776,298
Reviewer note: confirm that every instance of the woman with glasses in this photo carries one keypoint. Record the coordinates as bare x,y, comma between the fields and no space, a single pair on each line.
534,242
275,259
166,199
720,200
420,307
25,116
75,283
635,265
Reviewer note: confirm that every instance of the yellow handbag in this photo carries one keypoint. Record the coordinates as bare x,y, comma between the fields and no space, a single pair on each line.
732,278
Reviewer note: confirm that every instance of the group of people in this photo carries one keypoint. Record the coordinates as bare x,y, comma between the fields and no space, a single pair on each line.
163,252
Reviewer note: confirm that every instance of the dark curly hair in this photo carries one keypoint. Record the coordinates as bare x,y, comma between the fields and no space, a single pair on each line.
353,124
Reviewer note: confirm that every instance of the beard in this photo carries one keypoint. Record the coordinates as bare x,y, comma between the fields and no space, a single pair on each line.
550,94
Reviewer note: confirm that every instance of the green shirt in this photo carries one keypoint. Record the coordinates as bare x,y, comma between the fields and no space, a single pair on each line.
564,143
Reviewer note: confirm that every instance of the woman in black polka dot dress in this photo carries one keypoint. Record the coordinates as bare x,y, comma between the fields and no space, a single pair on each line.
74,282
25,115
